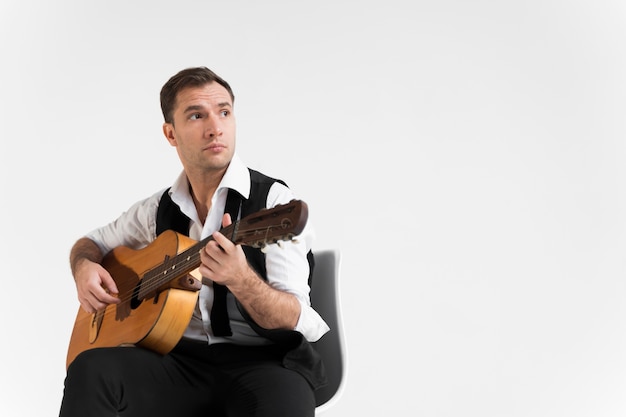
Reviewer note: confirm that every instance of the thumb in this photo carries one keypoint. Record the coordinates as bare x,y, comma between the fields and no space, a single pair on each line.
226,220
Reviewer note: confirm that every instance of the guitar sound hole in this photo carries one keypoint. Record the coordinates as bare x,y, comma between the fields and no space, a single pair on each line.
139,297
135,301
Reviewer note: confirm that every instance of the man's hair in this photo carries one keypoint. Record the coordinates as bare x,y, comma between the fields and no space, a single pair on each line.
190,77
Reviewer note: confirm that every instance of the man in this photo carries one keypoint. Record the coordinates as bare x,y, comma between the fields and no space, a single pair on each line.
258,362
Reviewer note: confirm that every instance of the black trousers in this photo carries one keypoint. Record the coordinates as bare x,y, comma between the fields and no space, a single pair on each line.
193,380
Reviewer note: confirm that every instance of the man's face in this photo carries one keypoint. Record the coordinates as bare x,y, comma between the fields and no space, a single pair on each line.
203,130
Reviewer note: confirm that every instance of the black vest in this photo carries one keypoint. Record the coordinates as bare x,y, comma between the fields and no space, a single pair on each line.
300,354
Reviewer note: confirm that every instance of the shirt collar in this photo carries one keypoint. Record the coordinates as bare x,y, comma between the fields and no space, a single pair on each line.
236,177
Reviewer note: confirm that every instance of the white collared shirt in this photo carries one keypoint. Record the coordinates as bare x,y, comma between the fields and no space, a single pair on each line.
287,267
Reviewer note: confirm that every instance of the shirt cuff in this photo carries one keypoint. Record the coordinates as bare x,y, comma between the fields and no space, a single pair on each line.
310,323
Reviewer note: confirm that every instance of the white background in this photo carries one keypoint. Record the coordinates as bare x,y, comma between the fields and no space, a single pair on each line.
467,158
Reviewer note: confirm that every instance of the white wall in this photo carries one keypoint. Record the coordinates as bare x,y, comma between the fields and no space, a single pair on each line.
467,157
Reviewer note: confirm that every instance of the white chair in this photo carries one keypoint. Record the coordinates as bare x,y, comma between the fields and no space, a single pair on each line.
326,301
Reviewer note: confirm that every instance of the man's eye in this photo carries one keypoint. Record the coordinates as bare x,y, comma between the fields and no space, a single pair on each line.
225,113
195,116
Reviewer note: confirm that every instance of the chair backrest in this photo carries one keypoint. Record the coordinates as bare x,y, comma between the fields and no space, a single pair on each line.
326,301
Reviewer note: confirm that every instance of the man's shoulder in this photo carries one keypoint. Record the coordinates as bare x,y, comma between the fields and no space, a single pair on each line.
261,178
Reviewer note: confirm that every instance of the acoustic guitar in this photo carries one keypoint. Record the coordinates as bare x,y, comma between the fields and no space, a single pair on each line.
158,285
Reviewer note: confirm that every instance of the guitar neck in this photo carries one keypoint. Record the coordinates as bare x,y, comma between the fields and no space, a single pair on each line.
259,229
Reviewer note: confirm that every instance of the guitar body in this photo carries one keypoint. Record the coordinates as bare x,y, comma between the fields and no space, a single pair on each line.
157,323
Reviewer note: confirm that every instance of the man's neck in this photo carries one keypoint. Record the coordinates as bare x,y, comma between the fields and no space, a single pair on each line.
202,188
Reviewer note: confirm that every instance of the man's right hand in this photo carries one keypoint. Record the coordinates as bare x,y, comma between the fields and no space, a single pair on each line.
95,286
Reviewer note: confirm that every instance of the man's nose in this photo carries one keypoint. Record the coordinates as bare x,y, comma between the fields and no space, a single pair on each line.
213,127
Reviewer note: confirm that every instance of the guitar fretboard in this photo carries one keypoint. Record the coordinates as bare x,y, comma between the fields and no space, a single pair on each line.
181,264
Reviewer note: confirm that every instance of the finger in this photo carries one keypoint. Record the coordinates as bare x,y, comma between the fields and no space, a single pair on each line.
109,299
91,304
107,293
100,298
108,283
222,241
87,306
209,253
226,220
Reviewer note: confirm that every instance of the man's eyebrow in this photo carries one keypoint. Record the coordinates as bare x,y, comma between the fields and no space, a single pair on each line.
196,107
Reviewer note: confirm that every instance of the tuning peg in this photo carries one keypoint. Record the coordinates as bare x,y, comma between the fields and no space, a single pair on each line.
280,244
264,248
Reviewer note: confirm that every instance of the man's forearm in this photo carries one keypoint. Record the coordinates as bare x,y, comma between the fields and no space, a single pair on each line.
269,308
84,249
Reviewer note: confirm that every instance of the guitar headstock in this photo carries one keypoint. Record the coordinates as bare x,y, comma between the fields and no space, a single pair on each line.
282,222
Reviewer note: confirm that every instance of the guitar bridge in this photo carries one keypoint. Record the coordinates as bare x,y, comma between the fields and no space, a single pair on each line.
96,323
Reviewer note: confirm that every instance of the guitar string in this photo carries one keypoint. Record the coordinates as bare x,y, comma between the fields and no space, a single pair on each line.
194,259
190,256
113,309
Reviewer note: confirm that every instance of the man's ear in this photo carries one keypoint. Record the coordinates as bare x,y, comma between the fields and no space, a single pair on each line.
170,135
